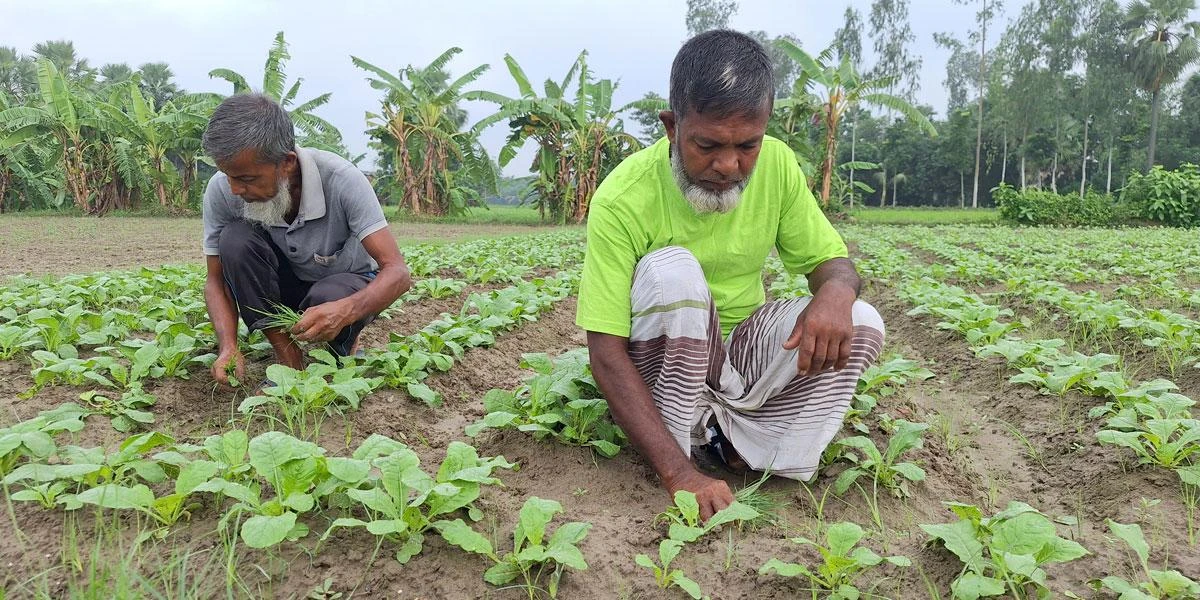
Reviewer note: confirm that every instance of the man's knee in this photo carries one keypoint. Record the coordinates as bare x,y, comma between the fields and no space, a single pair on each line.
672,268
865,315
333,287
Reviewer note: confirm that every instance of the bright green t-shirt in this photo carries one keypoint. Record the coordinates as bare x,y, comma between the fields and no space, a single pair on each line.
639,209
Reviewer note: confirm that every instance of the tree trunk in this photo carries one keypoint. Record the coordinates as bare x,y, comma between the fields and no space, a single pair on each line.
827,165
979,126
1054,163
1108,182
159,186
1024,138
1154,101
962,190
894,196
1083,169
1004,162
4,179
185,178
853,141
883,190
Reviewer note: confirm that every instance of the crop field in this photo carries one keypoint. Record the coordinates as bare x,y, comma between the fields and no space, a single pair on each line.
1029,432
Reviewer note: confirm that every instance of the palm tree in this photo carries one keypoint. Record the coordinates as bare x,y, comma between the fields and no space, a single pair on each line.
1162,45
274,87
18,74
157,83
62,54
421,124
790,124
844,87
114,73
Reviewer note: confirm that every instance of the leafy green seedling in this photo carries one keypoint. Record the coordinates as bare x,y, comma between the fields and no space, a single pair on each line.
33,438
1158,585
684,517
126,411
534,555
664,575
560,400
437,287
403,502
843,561
1004,553
883,467
1157,431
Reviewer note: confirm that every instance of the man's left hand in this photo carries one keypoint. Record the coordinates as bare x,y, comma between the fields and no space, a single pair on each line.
323,322
824,331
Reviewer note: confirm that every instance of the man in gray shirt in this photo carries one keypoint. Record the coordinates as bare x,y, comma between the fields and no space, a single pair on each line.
290,226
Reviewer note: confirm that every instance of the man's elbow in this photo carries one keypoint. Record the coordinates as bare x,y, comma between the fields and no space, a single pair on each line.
401,279
605,353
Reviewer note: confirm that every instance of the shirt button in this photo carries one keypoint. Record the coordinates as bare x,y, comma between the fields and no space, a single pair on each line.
292,248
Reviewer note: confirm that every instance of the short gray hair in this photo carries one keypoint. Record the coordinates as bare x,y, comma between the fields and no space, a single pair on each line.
721,72
249,122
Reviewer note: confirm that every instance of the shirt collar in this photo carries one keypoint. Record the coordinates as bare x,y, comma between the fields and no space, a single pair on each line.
312,194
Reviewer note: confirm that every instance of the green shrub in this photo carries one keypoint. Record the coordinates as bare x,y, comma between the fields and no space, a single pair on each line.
1169,197
1037,207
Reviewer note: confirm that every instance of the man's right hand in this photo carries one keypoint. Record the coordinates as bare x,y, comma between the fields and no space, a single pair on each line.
711,494
220,366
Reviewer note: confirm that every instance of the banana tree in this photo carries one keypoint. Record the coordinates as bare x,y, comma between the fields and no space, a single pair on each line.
843,87
155,132
58,113
274,86
578,142
790,121
421,123
598,142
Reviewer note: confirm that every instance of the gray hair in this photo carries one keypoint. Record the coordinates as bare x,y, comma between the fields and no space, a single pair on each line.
721,72
249,122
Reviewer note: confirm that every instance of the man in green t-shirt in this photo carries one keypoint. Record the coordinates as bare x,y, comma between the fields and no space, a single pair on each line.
683,343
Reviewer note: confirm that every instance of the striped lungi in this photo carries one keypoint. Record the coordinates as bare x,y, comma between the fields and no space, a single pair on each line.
775,418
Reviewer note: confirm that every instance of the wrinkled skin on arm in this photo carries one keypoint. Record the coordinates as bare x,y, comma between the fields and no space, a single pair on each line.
824,331
633,409
223,314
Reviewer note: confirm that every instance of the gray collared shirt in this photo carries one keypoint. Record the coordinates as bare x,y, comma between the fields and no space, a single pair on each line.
338,208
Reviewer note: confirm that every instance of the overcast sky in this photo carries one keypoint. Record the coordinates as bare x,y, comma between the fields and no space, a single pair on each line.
632,41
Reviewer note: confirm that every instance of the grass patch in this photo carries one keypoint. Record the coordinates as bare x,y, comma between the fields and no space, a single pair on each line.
492,214
925,216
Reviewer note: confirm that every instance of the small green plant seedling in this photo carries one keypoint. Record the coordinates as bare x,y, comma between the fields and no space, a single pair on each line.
283,317
1004,553
664,575
1158,585
883,467
684,517
534,555
844,562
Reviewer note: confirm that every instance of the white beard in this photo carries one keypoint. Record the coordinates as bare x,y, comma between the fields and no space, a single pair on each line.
270,212
701,199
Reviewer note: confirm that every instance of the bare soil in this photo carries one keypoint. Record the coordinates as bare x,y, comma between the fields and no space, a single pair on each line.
973,453
61,245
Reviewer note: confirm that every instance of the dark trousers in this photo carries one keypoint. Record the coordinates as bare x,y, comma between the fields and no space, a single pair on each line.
260,277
